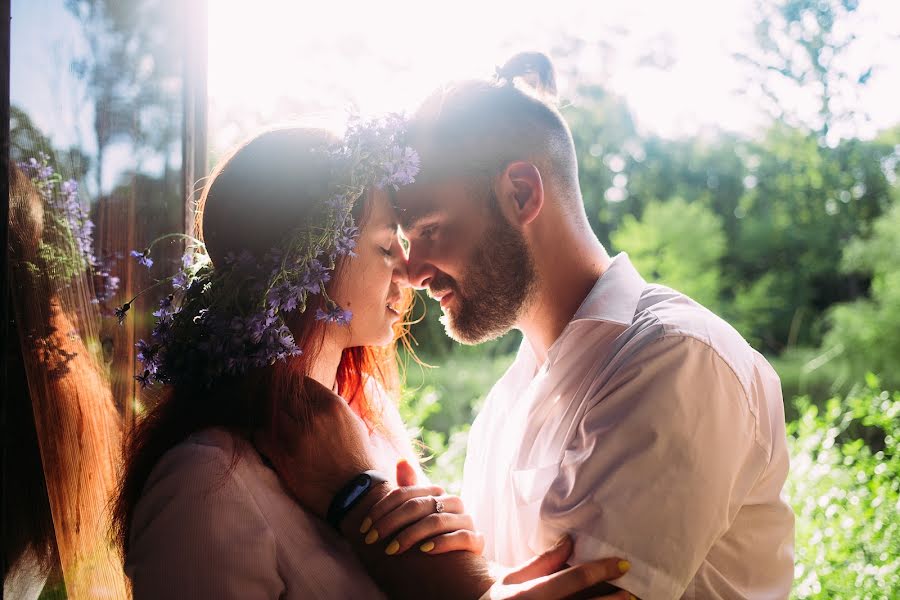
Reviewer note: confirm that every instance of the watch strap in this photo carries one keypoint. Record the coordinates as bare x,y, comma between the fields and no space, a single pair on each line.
351,494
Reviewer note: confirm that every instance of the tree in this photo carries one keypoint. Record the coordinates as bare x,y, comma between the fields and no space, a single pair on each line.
133,75
679,244
863,333
800,61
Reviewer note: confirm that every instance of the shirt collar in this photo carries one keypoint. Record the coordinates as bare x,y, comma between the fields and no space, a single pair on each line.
615,296
613,299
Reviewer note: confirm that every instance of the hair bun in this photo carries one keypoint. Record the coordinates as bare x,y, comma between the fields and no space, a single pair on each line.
534,68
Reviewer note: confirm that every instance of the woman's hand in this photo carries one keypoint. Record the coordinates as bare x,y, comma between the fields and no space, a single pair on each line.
411,508
422,516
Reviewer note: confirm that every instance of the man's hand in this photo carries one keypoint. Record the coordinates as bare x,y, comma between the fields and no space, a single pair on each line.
317,444
547,576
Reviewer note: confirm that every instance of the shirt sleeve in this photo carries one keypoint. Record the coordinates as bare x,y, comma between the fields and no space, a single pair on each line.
198,533
658,466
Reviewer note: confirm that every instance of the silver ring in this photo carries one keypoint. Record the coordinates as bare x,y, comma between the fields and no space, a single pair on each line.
438,505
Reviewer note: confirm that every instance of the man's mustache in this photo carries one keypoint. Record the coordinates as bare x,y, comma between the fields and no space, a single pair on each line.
441,286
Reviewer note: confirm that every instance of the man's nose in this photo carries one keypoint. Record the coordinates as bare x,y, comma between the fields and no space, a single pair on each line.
419,270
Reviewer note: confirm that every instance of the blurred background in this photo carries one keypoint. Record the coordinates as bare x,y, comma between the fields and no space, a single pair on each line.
744,152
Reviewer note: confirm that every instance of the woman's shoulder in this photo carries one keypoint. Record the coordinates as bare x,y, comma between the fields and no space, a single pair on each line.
212,467
198,525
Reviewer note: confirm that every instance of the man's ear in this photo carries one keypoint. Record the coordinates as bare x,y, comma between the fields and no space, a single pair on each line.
522,190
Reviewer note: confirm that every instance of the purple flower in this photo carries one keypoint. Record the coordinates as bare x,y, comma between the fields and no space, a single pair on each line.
339,201
122,312
346,241
162,331
285,297
149,355
334,314
145,351
166,308
400,167
315,276
143,257
69,187
180,280
144,379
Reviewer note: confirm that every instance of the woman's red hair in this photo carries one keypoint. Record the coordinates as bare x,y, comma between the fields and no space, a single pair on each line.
263,191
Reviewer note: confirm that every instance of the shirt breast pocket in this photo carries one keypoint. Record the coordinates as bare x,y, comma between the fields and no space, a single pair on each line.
531,485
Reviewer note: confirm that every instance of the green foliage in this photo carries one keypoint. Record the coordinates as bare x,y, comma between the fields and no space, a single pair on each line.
439,404
864,332
844,487
786,204
804,372
677,244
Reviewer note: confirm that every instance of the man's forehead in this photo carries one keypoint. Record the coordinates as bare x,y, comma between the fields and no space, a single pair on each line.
416,202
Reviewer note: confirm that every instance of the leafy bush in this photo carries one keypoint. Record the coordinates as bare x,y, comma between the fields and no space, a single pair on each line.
844,487
864,332
440,403
678,244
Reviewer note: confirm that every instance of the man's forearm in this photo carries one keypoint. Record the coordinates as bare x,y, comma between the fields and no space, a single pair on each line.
413,574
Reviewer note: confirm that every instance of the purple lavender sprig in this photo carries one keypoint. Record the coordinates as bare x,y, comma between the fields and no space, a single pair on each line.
143,257
334,314
231,318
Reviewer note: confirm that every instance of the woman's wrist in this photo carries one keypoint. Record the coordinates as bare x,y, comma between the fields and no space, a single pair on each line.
350,524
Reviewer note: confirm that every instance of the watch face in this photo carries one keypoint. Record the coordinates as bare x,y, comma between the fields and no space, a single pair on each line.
360,485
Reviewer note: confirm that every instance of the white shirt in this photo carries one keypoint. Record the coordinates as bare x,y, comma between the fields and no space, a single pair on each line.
205,530
652,432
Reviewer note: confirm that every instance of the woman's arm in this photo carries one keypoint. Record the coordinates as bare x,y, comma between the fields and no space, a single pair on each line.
318,450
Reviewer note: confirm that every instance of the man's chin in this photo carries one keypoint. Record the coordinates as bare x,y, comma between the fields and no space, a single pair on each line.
470,336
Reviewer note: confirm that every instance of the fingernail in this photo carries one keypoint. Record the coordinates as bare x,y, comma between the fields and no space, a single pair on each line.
427,547
632,597
624,565
372,537
392,548
560,542
366,525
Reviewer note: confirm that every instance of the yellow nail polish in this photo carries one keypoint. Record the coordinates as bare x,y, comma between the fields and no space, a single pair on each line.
427,547
632,597
392,548
372,537
624,565
366,525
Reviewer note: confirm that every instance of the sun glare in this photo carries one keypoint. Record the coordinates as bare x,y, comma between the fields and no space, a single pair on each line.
274,60
286,60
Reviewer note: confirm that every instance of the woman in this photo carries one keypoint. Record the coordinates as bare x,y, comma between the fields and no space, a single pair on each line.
290,289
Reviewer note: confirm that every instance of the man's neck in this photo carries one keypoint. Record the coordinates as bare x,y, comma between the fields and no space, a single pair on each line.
567,272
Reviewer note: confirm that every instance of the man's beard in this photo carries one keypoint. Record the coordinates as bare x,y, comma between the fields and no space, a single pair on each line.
494,289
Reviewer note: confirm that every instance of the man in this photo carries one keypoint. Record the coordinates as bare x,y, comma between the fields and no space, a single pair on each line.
632,417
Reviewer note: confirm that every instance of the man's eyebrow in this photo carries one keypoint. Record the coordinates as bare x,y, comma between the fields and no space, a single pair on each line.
412,219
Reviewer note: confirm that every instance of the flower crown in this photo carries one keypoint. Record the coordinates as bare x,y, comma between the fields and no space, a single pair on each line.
228,318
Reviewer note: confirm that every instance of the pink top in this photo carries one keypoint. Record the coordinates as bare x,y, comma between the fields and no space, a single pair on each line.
201,530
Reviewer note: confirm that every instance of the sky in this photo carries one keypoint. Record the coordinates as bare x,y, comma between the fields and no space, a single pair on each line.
389,55
273,60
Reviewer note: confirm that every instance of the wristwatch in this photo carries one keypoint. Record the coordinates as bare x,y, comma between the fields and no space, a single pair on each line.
350,495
